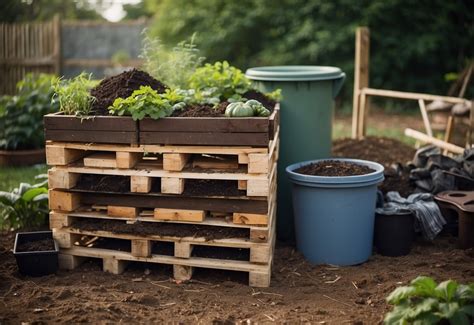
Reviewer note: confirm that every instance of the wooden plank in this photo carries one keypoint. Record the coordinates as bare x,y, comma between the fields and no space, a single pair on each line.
69,262
58,155
127,159
173,202
424,115
204,138
206,124
64,239
212,150
440,143
175,161
101,160
250,218
57,121
61,179
63,201
214,163
260,279
412,96
87,136
258,163
122,211
183,249
141,248
172,185
179,214
258,187
361,73
140,184
242,184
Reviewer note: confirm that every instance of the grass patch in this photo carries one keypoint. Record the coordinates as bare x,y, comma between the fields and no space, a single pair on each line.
11,177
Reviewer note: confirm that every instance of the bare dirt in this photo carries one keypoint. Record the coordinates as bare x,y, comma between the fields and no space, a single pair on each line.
334,168
299,292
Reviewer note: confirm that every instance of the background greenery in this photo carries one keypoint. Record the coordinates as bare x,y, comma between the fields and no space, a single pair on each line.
413,43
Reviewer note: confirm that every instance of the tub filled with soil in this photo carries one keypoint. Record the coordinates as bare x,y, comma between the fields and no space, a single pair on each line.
36,253
334,209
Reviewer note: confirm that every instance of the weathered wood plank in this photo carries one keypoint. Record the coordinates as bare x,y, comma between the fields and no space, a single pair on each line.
205,138
206,124
88,136
97,123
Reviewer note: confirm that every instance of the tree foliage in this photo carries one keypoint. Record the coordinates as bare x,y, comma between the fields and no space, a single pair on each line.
413,43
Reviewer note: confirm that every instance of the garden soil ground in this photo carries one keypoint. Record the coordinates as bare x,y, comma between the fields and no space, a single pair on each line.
299,291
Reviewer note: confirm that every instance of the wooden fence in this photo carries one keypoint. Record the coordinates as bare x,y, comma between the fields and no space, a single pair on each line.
28,47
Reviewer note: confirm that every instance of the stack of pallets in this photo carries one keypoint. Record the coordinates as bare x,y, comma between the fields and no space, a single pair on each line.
188,206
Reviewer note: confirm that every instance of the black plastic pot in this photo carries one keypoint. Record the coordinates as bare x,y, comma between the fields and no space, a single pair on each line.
394,233
36,263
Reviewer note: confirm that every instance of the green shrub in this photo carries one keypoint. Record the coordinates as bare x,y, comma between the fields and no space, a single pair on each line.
74,95
21,116
426,302
25,206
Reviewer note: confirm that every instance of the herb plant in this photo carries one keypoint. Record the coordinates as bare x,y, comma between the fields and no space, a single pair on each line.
426,302
147,102
25,206
74,96
172,67
21,116
221,79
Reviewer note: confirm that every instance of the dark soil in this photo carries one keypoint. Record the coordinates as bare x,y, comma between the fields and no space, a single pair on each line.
121,86
386,152
222,253
41,245
334,168
255,94
210,187
202,111
103,183
161,229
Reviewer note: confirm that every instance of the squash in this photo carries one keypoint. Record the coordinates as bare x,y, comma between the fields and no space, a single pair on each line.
249,108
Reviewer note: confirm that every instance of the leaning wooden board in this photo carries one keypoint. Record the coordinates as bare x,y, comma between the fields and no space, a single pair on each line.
250,131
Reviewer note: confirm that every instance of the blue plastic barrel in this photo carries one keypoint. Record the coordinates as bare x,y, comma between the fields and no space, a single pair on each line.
334,216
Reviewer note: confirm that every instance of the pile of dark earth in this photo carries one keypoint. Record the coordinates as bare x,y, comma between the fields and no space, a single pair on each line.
121,85
334,168
392,154
42,245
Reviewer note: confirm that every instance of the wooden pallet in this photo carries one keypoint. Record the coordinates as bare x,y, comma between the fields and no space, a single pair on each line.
258,265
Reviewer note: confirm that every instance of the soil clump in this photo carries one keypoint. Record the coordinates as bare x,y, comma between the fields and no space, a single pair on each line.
41,245
334,168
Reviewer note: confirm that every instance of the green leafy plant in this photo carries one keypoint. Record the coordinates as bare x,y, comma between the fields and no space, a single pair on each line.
426,302
275,95
74,95
221,79
172,67
25,206
247,109
147,102
21,116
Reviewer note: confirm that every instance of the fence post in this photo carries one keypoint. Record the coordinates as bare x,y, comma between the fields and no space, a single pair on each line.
361,77
57,44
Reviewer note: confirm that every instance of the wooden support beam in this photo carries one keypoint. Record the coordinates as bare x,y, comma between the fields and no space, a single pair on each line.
259,235
127,159
361,73
58,220
424,115
63,201
70,262
214,163
122,211
141,248
261,254
411,96
179,215
183,250
59,156
114,266
250,218
257,187
140,184
259,279
172,185
258,163
440,143
61,179
101,160
175,161
242,184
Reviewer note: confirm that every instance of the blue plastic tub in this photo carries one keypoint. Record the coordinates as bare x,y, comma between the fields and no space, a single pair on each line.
334,216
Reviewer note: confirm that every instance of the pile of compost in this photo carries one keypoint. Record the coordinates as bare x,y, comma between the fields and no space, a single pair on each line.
121,85
334,168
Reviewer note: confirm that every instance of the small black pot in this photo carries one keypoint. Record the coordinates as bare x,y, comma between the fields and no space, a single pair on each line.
394,233
36,263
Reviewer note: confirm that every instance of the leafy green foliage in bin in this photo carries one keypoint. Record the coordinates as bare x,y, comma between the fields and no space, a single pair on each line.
147,102
426,302
25,206
21,116
221,79
74,95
